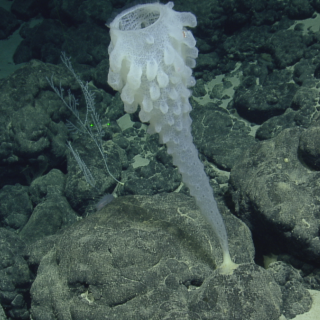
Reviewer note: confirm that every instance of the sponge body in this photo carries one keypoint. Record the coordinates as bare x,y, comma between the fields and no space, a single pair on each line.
151,56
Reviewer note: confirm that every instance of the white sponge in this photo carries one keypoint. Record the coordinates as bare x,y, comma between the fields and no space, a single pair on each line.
151,56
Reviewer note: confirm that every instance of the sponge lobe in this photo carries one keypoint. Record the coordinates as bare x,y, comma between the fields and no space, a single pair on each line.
152,69
134,76
188,19
162,79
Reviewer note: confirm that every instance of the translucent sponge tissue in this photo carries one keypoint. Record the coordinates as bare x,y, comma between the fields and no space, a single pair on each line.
151,55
